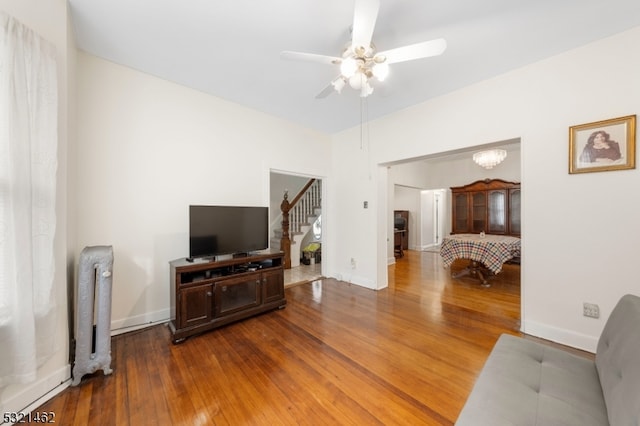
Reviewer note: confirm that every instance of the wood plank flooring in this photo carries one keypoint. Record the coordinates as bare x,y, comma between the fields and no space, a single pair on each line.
337,354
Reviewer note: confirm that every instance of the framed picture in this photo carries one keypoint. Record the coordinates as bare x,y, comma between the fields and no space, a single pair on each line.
603,145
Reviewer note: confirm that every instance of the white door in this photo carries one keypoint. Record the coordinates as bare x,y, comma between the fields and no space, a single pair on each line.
434,217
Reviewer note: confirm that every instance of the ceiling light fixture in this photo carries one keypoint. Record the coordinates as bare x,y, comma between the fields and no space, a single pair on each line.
380,70
489,159
348,67
338,84
358,67
360,63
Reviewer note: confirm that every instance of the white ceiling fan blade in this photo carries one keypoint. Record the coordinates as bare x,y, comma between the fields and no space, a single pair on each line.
325,92
336,85
364,21
310,57
415,51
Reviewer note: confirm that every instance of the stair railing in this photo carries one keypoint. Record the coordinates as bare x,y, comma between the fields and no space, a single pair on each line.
296,212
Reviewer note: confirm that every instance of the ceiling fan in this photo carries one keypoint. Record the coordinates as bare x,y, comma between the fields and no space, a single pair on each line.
360,62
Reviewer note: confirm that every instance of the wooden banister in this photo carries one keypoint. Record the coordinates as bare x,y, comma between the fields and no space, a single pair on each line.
285,241
301,193
285,207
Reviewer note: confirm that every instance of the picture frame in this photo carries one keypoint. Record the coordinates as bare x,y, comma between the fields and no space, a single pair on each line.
603,146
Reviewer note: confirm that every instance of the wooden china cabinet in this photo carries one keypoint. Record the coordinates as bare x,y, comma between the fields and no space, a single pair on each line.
491,206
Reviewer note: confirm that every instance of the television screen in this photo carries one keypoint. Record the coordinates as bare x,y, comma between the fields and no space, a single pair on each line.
217,230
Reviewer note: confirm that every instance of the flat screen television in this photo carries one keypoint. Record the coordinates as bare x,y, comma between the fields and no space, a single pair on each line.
218,230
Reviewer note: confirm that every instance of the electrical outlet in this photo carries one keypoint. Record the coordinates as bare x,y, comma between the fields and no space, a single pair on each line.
353,263
590,310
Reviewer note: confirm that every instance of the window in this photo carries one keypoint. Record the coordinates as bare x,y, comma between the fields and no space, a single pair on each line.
28,161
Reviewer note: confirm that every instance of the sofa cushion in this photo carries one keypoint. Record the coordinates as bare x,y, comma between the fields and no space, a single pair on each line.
618,362
527,383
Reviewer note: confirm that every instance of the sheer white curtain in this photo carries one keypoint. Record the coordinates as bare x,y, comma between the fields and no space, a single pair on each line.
28,162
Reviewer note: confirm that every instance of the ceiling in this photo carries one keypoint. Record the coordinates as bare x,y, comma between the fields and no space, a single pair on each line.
231,49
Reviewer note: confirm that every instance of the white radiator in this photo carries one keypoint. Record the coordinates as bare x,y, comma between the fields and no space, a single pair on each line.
93,309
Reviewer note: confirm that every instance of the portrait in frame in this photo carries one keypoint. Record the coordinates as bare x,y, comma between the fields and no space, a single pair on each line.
603,145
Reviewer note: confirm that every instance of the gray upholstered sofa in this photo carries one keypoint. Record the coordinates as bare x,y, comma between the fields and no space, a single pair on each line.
528,383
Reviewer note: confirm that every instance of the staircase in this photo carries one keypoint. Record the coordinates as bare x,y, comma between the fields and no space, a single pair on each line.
297,220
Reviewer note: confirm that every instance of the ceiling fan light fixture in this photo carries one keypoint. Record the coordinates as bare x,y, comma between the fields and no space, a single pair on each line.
490,158
338,84
366,89
356,81
359,51
348,67
360,61
380,70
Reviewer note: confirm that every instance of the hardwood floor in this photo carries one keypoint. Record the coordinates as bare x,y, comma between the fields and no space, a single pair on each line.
337,354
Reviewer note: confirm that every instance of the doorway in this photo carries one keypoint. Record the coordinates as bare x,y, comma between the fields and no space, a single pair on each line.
306,232
431,177
433,218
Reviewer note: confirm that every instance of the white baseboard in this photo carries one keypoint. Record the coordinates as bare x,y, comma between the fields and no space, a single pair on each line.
562,336
357,280
137,322
37,393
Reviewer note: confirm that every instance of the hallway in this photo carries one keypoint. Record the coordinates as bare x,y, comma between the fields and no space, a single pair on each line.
302,274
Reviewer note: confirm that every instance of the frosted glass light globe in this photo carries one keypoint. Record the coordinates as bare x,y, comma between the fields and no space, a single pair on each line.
348,67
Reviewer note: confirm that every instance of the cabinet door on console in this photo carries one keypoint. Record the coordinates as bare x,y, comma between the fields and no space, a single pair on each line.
237,294
196,305
272,286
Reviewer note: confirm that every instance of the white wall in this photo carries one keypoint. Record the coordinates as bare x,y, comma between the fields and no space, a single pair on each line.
579,231
50,20
446,173
147,149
